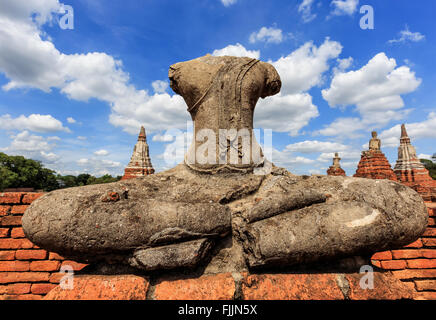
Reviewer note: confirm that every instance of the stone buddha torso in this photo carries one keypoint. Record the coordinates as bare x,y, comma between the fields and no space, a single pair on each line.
221,94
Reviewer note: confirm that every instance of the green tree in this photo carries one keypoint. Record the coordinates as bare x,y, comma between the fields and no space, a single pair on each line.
19,172
430,166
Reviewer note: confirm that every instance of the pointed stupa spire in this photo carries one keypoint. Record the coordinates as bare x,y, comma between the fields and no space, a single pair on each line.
404,137
140,162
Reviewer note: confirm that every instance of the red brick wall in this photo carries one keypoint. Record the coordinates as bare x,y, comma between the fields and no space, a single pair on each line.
415,264
26,271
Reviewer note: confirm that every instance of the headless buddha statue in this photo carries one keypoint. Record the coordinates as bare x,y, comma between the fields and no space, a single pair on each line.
213,210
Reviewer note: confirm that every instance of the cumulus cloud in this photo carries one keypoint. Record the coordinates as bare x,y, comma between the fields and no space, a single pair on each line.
305,9
237,50
228,3
79,76
163,138
101,152
292,109
375,90
344,7
268,35
314,146
160,86
71,120
34,122
98,166
416,130
303,68
31,146
407,35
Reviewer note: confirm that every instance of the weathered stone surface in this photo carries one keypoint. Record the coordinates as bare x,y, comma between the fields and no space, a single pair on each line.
350,223
211,287
179,255
125,287
273,218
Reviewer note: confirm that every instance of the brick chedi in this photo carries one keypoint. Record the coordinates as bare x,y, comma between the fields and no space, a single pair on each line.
409,170
373,163
140,163
335,169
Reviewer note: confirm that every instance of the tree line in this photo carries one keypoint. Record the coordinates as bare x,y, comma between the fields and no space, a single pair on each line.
20,172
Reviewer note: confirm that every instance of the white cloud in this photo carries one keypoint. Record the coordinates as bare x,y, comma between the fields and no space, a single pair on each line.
163,138
160,86
228,3
407,35
314,146
375,90
343,64
71,120
29,61
344,7
415,130
101,152
31,146
268,35
303,68
81,138
285,113
34,122
237,50
98,166
425,156
305,8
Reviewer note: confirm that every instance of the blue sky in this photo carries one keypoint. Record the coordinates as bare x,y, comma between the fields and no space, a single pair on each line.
75,98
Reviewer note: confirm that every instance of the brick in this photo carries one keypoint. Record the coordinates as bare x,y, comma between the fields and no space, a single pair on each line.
13,277
421,263
56,277
44,265
288,287
416,244
4,232
385,255
376,263
16,288
430,232
7,255
210,287
42,288
4,210
10,221
423,285
121,287
10,197
393,264
406,254
55,256
19,209
432,221
17,233
428,253
429,242
28,297
30,197
31,254
427,296
14,266
415,273
15,244
75,265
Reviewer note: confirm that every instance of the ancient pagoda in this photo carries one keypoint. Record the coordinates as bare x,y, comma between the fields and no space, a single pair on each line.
409,170
373,163
335,169
140,163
